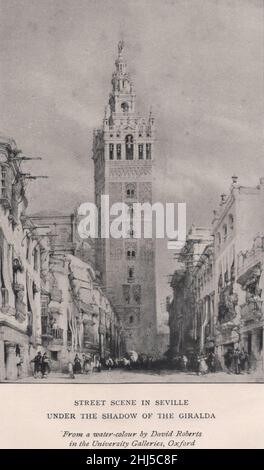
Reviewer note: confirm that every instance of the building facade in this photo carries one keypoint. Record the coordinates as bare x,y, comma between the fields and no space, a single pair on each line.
51,298
217,293
76,315
250,276
123,154
191,308
235,225
20,313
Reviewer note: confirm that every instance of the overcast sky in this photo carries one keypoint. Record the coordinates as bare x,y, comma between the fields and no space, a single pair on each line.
198,63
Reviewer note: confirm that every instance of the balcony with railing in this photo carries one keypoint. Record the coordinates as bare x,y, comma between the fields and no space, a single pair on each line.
46,328
6,175
56,294
69,337
250,259
21,310
57,335
5,297
54,335
252,310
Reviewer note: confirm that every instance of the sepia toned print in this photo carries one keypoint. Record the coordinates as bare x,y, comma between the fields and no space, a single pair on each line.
83,297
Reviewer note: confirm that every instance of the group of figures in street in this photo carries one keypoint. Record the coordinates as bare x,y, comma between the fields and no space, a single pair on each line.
84,365
236,361
41,365
88,363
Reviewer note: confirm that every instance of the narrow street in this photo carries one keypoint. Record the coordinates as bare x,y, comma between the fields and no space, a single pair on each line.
143,376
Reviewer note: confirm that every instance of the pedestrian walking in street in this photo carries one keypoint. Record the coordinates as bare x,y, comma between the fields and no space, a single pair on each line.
237,363
228,358
184,362
83,362
211,362
246,362
97,364
195,363
70,370
19,366
87,365
45,367
242,360
109,363
77,365
37,365
126,363
202,366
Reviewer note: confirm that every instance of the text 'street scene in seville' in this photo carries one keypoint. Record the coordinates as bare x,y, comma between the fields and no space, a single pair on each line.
130,258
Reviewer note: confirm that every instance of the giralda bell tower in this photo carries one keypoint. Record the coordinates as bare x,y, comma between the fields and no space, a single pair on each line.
123,151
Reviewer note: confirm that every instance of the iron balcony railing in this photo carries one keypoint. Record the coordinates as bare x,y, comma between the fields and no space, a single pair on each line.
252,310
55,334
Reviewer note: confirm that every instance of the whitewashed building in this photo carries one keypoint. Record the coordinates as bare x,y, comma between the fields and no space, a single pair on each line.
20,313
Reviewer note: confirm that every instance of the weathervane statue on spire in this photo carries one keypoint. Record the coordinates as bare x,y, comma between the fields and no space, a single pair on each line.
120,46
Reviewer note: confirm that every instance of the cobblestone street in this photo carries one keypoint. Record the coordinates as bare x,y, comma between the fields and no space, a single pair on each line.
134,376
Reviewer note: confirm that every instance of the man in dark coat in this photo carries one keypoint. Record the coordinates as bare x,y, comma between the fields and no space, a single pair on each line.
77,365
45,367
37,364
237,363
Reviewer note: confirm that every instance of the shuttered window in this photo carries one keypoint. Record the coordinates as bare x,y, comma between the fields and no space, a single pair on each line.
6,184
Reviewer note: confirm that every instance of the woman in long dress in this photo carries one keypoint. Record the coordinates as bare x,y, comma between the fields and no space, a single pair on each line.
77,365
70,370
203,368
45,366
87,365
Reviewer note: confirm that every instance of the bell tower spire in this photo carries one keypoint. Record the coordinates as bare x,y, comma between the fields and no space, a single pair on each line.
122,97
123,153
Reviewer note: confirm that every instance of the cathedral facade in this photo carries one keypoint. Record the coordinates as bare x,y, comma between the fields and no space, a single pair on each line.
123,154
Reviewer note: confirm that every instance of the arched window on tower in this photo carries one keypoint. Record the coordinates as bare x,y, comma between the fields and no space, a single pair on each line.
118,151
130,274
140,152
111,151
148,151
131,190
131,254
125,107
129,147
